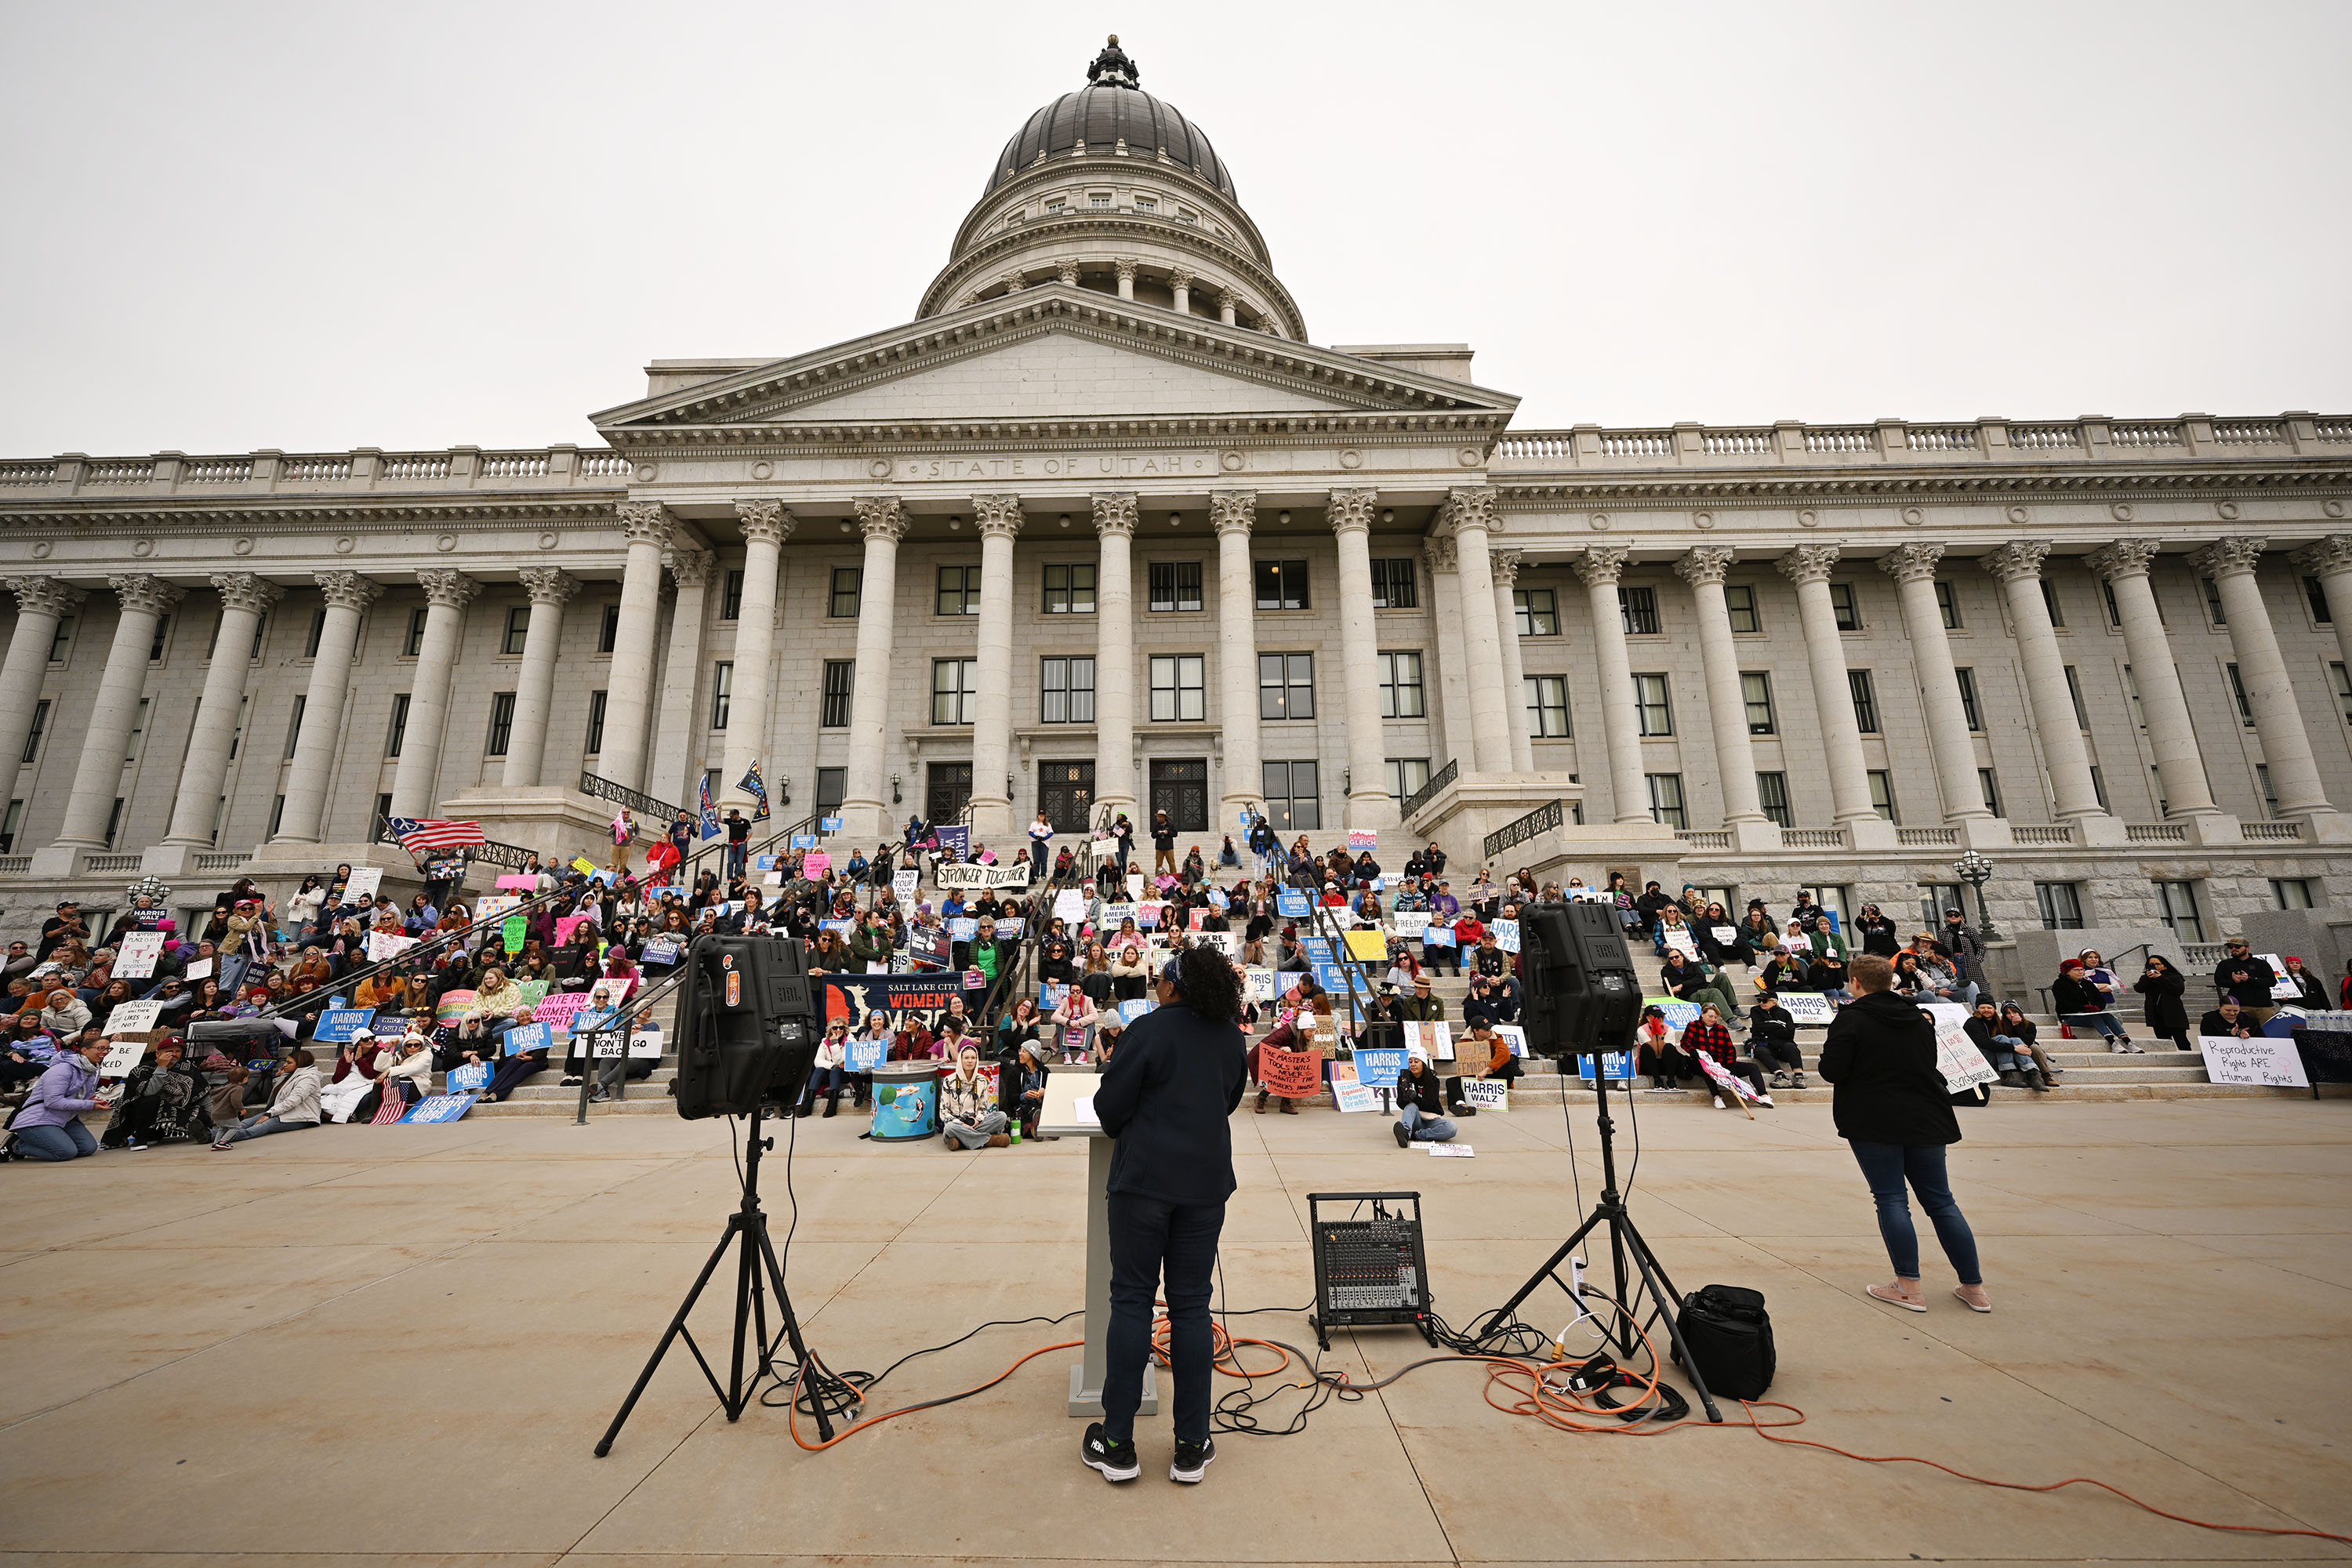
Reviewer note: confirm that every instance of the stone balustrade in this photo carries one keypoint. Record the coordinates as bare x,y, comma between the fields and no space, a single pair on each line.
365,471
2189,437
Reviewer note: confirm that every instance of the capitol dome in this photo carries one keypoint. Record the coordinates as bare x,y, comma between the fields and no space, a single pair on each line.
1110,113
1110,189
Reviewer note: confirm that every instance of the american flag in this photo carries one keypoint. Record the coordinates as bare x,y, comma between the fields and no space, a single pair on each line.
392,1108
420,833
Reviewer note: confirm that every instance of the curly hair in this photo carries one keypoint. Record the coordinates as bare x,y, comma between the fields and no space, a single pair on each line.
1205,975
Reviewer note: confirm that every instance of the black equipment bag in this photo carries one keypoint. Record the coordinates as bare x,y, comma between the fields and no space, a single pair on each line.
1730,1337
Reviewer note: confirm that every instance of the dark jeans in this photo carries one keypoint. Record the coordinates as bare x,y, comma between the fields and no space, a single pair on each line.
1885,1166
513,1073
73,1142
1145,1235
1772,1054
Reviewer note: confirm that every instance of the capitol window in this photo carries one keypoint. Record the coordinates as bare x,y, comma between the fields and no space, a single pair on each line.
1175,584
1070,590
1739,603
955,690
1146,205
1394,585
959,590
517,629
841,603
1098,200
1178,688
1536,611
1638,607
1184,217
1282,586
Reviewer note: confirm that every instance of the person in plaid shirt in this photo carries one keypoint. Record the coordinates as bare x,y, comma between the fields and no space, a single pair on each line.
1708,1036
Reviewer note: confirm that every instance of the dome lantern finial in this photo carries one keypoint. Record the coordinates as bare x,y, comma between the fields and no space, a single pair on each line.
1112,68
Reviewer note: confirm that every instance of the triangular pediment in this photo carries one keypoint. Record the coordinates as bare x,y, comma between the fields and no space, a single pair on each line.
1055,354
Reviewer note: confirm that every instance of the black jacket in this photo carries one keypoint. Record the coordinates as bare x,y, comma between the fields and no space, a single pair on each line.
1881,1056
1423,1091
2247,979
2167,1013
2215,1025
1166,1097
1775,1024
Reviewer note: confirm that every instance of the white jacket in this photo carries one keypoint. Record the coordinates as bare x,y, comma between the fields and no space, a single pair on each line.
296,1099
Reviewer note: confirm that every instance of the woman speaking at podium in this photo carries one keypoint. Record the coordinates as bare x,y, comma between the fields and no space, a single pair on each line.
1166,1097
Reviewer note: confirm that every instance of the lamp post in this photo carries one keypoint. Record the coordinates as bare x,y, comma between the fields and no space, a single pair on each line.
1976,871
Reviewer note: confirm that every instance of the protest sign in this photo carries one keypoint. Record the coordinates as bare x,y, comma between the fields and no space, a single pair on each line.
929,945
1410,922
1261,983
1228,942
453,1006
976,876
1680,1015
1135,884
1070,907
1007,927
336,1025
388,944
864,1055
1726,935
804,841
773,880
1513,1035
2259,1061
585,866
1051,993
559,1007
1727,1082
1379,1068
1147,916
1318,950
1506,935
469,1078
1349,1096
1613,1065
435,1108
513,931
2282,985
1808,1008
532,1037
1331,977
362,888
1291,904
816,865
135,955
1455,1150
518,882
199,969
122,1058
532,991
1367,946
1363,838
828,825
1116,915
666,948
1136,1007
963,928
494,905
1437,935
1679,940
955,841
1957,1057
1487,1094
565,925
904,883
1293,1075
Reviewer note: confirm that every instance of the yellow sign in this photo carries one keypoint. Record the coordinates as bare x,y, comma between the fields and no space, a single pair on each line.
1368,946
585,866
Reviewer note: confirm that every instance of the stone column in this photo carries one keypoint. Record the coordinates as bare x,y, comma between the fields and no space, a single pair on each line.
1515,670
416,783
550,588
1115,654
997,519
2171,731
1913,567
309,781
1808,566
864,812
1703,568
766,525
1125,268
143,599
2286,747
2330,561
681,674
41,603
244,599
1179,282
1470,514
2018,567
628,686
1601,566
1226,300
1453,662
1233,512
1370,805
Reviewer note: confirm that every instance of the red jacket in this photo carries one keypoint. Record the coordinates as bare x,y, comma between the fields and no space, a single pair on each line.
1712,1039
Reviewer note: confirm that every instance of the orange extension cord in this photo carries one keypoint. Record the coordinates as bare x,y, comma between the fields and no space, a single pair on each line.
1542,1392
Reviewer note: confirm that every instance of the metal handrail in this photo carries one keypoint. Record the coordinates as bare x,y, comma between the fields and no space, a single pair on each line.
423,945
1437,780
514,856
1542,819
643,805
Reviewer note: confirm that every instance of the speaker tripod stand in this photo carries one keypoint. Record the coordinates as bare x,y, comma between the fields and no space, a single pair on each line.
1624,1240
755,1267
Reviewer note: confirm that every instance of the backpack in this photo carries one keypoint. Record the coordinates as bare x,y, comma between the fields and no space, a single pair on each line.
1730,1339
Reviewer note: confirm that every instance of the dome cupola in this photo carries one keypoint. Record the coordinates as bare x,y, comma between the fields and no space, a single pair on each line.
1109,188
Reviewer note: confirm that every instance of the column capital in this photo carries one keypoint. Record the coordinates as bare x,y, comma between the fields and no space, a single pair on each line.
2123,558
146,594
1125,268
1350,512
1066,270
447,590
1115,512
1228,297
688,567
2328,556
1601,564
347,590
1505,564
1704,564
1469,505
2232,557
1232,512
246,590
644,521
550,586
1912,563
996,517
1182,277
1443,556
764,521
1012,281
44,596
1808,562
2016,560
881,517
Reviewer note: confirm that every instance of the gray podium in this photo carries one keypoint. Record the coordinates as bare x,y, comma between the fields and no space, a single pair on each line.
1060,1116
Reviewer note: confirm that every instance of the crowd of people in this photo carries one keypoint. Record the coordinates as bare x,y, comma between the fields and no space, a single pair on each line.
236,1051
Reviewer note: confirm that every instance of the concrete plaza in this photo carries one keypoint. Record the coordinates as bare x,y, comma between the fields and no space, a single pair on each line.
399,1345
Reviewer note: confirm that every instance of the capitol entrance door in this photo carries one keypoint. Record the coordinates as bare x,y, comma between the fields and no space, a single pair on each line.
1065,794
1180,786
950,786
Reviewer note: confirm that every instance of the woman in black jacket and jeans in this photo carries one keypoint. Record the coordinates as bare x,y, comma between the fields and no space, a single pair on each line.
2168,1012
1892,1110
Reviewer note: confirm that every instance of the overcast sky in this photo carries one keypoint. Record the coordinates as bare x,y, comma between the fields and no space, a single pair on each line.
314,225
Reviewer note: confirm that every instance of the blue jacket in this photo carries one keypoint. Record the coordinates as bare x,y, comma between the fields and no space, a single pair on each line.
1167,1098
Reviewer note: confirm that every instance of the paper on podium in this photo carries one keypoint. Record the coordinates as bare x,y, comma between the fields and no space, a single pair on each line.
1069,1109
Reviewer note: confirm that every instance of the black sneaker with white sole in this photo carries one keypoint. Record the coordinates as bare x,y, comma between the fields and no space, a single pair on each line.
1192,1461
1116,1461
